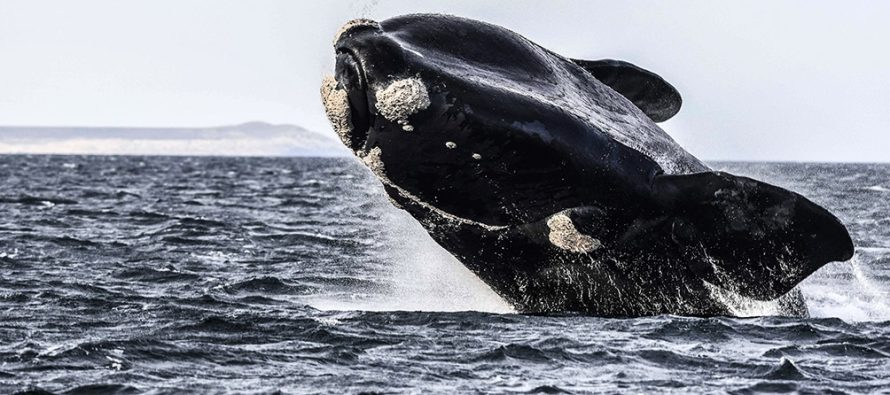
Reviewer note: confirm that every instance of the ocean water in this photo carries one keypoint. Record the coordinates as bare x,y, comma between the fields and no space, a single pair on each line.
256,275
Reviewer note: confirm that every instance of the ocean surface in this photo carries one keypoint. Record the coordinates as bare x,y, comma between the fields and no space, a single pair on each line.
254,275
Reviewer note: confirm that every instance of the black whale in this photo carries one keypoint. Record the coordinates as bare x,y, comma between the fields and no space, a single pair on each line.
549,179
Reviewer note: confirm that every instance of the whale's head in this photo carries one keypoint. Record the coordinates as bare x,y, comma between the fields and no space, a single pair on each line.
474,119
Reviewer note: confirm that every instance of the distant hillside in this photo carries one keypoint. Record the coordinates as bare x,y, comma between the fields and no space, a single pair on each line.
248,139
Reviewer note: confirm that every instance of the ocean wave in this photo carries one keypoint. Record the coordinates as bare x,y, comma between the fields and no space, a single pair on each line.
172,275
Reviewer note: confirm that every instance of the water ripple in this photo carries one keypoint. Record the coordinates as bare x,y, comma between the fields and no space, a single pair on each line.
199,275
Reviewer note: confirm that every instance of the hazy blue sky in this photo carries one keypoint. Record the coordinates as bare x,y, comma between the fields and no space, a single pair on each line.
774,80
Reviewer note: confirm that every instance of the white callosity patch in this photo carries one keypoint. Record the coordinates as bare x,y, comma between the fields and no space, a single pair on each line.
401,98
336,106
450,145
373,161
354,24
564,235
477,156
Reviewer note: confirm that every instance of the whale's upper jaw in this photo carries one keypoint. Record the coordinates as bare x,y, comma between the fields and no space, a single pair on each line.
458,127
513,125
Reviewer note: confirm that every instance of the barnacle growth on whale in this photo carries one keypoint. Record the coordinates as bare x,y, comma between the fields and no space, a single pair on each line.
401,98
354,24
336,107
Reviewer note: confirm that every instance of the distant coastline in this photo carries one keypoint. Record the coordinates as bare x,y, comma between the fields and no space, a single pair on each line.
247,139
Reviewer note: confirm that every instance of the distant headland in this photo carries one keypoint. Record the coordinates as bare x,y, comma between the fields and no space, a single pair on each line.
247,139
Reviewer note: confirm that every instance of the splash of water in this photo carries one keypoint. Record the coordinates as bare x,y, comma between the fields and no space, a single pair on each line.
847,290
429,278
418,274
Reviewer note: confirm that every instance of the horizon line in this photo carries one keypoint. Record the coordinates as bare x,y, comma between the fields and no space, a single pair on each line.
346,155
150,127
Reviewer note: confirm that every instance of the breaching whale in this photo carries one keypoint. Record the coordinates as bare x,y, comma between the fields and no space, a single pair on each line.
549,179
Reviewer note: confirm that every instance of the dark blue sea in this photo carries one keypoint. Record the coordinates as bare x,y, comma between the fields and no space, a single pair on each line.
169,275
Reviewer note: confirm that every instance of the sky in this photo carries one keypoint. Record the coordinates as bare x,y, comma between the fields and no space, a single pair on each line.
761,80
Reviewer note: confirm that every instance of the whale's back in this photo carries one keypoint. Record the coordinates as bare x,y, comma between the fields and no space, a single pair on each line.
485,55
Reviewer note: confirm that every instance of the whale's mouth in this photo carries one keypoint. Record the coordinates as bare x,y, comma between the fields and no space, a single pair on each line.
351,77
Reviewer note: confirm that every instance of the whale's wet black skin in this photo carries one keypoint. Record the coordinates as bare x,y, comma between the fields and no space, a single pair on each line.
549,178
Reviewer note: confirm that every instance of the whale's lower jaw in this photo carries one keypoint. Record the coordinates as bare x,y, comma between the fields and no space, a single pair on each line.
552,266
562,263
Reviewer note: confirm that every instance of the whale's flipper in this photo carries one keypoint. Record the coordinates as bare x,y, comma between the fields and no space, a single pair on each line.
756,239
652,94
